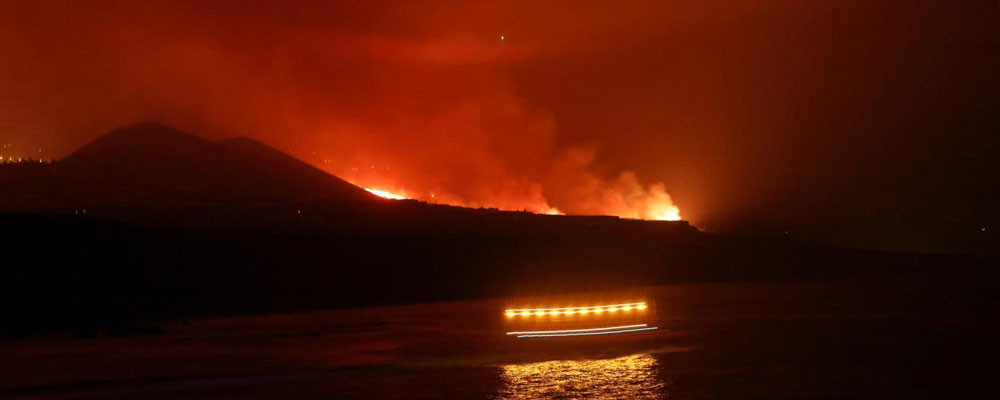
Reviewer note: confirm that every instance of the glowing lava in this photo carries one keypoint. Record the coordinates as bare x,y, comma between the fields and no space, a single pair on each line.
386,194
631,201
665,212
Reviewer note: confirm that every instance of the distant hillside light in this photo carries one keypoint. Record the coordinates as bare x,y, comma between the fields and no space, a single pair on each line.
385,194
667,213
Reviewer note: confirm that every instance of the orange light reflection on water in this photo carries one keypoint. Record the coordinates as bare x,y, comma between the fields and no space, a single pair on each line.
632,377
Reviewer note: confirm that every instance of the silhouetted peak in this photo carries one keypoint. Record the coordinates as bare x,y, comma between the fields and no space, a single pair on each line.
246,143
146,139
153,131
152,163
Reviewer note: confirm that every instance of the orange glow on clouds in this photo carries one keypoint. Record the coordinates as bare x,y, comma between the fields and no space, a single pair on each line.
426,107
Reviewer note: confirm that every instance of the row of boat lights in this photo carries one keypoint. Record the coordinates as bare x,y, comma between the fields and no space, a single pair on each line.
600,309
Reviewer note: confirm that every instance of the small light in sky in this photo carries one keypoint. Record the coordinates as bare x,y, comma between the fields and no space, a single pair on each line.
502,37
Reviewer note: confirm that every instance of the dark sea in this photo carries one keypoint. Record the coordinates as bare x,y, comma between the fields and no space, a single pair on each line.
835,339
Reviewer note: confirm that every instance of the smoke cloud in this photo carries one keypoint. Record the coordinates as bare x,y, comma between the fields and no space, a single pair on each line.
870,121
434,116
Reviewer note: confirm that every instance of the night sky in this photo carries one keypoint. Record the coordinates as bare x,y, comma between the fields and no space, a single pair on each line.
860,123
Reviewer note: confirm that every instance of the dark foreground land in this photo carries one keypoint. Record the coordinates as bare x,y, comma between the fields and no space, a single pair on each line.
95,275
154,264
147,222
104,308
817,339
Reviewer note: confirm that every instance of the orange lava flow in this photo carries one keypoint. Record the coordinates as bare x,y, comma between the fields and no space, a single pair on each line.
650,204
385,194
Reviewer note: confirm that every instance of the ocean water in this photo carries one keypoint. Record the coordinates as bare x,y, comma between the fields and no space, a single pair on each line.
766,340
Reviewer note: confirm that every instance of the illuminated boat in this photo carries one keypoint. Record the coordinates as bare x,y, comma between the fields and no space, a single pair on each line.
580,320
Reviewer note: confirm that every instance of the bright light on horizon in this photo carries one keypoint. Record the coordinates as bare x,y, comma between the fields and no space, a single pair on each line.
386,194
655,212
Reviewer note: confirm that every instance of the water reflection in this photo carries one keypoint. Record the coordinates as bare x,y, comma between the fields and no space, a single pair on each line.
630,377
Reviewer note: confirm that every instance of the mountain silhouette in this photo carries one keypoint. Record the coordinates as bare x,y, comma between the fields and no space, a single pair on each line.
150,165
179,226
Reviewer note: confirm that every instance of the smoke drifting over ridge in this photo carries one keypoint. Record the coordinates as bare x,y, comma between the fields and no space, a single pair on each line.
397,107
861,123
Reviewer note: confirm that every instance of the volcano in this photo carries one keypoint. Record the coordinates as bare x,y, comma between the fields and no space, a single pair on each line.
150,165
173,225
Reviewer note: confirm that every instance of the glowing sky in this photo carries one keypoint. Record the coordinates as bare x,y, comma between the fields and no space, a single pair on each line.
819,117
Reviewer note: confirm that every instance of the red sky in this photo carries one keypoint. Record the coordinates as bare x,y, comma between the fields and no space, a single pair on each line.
820,117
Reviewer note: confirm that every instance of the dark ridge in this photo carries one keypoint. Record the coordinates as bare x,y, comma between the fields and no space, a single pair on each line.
152,166
144,143
288,174
163,224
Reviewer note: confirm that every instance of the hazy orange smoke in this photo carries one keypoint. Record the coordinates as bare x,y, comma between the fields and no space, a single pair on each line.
424,107
816,116
630,200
